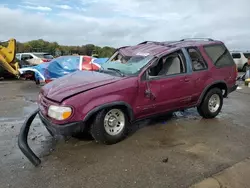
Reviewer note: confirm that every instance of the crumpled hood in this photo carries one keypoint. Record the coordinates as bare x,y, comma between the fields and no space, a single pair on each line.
75,83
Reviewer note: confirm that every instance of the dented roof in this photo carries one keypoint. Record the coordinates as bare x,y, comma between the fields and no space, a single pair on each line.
157,48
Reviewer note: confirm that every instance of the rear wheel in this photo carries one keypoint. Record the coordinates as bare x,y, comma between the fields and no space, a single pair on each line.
211,106
110,126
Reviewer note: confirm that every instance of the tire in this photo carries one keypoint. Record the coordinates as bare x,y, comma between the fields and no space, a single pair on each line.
114,130
211,112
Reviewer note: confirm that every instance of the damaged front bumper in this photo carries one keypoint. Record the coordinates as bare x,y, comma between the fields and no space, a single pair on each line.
64,130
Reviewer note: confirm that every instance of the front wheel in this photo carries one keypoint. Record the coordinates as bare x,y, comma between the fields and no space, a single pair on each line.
110,126
212,104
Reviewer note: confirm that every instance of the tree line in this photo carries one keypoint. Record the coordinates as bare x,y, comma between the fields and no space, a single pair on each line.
57,50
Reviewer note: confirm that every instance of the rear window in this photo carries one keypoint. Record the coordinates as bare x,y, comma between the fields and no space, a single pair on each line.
236,55
219,55
45,56
247,55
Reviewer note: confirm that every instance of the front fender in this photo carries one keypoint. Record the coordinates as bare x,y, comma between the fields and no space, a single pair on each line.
106,102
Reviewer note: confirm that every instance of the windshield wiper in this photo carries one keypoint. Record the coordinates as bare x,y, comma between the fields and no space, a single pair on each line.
116,70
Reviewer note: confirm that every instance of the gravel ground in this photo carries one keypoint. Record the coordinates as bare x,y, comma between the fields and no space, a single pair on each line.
162,152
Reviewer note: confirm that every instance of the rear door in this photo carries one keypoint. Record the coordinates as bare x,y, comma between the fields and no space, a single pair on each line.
200,72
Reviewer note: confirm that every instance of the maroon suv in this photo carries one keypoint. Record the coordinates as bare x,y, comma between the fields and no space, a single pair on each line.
137,82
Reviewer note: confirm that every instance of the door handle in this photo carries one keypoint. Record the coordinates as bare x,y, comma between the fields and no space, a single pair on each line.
186,80
149,94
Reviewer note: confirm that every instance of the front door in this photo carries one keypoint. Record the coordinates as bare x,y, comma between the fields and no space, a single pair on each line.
172,93
168,86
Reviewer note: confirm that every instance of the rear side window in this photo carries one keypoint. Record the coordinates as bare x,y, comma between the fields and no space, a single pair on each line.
247,55
236,55
219,55
197,61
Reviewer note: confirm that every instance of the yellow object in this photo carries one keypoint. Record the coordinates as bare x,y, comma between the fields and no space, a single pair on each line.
66,115
247,81
8,57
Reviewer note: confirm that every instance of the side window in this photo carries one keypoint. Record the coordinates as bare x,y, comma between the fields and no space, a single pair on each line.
236,55
171,64
219,55
26,57
247,55
198,62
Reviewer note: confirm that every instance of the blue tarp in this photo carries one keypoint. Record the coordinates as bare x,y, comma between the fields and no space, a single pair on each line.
41,68
61,66
100,61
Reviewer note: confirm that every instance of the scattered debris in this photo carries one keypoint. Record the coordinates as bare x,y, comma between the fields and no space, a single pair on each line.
179,114
165,160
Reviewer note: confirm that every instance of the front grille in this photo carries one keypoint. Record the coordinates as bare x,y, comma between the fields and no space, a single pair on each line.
44,104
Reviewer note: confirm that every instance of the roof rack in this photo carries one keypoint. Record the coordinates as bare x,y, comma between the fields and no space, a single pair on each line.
187,39
146,42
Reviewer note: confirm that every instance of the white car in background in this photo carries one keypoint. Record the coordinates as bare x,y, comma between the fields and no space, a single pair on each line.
241,59
33,58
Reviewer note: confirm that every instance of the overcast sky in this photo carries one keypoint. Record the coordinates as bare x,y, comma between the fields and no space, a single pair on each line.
125,22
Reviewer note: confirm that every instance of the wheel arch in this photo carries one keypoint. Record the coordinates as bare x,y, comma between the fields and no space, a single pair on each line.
218,84
244,66
120,104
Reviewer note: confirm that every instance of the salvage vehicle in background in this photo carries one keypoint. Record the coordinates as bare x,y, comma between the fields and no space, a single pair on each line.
241,59
61,66
33,58
137,82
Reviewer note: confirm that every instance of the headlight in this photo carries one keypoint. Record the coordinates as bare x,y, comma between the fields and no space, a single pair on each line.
59,112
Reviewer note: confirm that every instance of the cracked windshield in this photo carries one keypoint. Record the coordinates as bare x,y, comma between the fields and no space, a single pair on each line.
126,65
124,94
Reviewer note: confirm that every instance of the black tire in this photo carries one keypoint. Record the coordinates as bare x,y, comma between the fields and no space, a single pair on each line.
203,108
99,133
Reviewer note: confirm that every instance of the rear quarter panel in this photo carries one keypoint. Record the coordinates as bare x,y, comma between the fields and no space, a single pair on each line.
225,74
124,90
